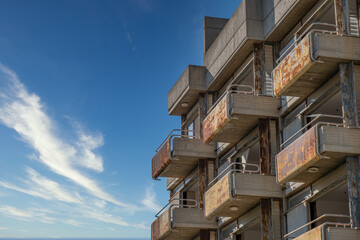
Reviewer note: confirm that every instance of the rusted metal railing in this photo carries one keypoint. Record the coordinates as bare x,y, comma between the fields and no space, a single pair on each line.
230,90
171,135
316,117
336,224
307,31
228,169
173,205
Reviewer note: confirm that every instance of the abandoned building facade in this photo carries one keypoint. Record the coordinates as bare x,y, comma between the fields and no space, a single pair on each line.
269,142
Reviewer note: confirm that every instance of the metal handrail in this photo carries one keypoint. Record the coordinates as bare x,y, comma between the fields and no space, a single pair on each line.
237,170
229,90
180,205
170,135
310,18
317,116
326,223
306,32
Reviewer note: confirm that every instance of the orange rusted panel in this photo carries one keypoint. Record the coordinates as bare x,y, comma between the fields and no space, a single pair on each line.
217,195
292,67
161,159
297,156
313,234
215,120
161,226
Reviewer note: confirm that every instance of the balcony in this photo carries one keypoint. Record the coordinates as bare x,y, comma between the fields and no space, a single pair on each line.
184,94
312,61
180,220
239,190
236,113
178,155
317,151
330,230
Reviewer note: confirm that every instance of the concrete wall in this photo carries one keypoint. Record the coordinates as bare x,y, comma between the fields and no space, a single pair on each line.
212,28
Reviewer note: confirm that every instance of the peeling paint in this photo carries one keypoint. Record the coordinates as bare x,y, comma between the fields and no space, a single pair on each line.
292,67
314,234
259,63
161,159
342,16
296,157
216,120
217,195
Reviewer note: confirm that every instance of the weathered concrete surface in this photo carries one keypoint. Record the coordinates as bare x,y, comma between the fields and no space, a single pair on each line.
186,90
212,28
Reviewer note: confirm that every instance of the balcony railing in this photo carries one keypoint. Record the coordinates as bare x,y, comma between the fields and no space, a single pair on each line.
239,189
180,218
179,153
312,59
236,113
329,230
322,147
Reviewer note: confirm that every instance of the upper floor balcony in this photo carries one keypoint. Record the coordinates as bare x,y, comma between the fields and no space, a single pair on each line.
184,94
180,219
334,229
240,188
179,153
312,59
236,113
323,146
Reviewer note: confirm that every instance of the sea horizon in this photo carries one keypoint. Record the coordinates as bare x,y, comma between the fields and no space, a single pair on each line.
75,238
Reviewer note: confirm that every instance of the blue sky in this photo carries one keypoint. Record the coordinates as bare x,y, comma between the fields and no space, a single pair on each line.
83,106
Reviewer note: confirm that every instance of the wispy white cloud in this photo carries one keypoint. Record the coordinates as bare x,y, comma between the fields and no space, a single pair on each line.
39,186
24,112
150,201
26,215
109,218
73,222
130,40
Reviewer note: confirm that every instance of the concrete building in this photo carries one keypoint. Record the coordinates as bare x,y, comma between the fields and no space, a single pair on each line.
269,142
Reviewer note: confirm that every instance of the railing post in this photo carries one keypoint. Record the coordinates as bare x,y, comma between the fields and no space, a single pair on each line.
342,16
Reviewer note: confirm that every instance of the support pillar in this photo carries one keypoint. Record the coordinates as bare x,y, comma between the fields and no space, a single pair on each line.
265,146
342,16
204,235
348,94
351,118
259,68
353,174
203,181
201,113
265,169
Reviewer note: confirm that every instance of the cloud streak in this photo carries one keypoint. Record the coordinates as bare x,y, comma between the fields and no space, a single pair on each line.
24,112
39,186
150,200
26,215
